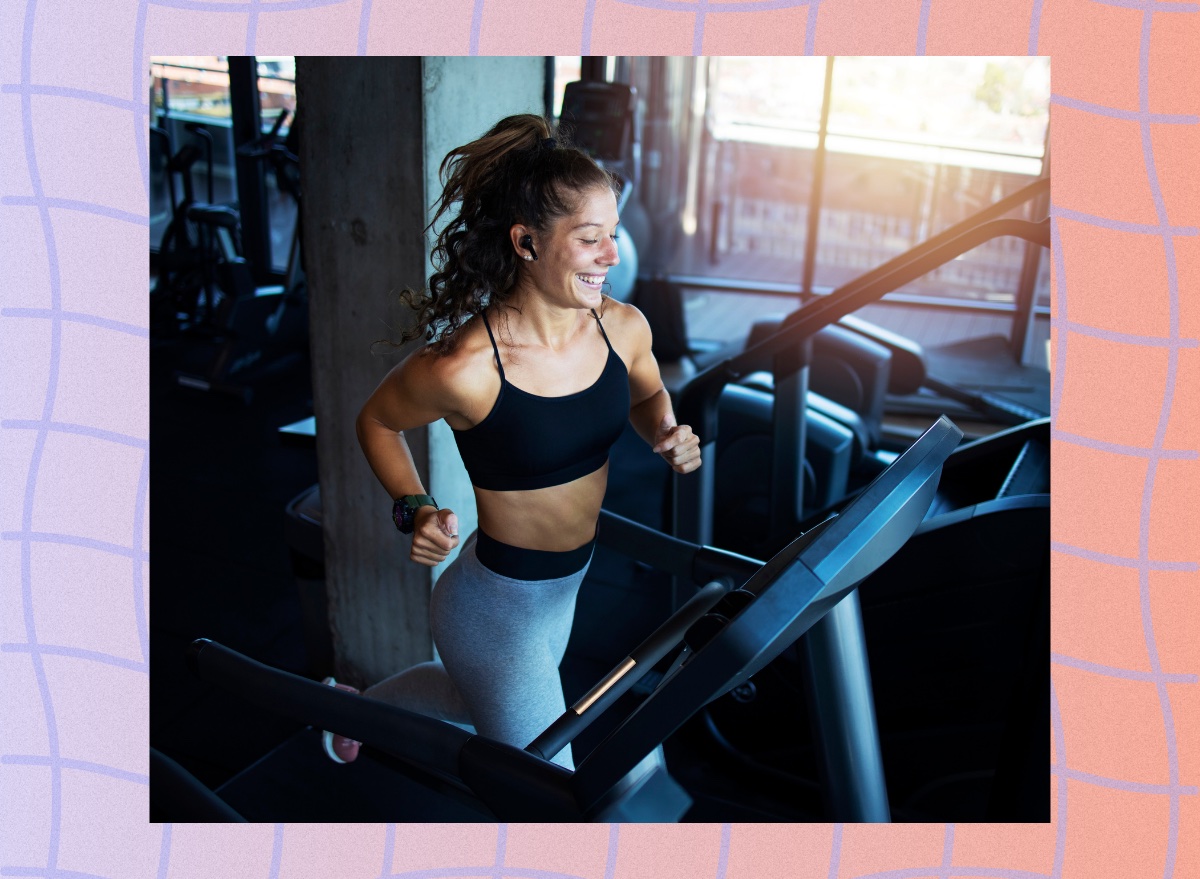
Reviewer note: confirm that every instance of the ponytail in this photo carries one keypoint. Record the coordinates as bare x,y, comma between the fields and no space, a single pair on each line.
519,172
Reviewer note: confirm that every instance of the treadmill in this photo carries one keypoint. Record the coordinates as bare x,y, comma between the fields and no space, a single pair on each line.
416,768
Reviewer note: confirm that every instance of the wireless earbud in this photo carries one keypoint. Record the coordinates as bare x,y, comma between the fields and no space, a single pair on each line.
527,243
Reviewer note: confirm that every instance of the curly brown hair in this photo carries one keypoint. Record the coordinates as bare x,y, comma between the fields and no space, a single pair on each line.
519,172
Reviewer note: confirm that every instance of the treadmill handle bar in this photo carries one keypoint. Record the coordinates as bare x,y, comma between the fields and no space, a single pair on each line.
622,678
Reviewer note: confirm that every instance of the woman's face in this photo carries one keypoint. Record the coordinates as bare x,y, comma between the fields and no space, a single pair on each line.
577,251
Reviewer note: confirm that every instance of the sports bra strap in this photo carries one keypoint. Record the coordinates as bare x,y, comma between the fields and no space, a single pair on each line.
496,350
604,334
488,326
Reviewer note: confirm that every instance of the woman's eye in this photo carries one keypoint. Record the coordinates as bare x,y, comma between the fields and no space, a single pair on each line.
589,240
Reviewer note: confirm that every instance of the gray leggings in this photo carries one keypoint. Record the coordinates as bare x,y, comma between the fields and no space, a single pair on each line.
501,641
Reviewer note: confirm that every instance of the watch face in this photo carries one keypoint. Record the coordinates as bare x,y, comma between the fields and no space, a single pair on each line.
404,510
402,515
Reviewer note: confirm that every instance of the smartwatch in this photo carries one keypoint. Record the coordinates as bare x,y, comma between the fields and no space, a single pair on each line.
404,510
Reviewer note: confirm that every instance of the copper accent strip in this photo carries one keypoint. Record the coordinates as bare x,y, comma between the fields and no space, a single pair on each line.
589,698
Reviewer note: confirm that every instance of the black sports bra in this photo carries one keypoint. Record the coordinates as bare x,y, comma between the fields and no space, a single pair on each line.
528,441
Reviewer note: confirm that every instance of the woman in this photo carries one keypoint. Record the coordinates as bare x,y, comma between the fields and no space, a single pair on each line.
536,372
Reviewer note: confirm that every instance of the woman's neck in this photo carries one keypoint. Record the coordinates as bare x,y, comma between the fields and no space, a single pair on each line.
538,322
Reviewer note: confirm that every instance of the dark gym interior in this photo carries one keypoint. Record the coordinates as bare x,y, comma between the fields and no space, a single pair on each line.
920,292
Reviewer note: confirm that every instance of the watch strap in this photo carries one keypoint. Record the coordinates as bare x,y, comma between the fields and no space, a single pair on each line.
416,501
404,510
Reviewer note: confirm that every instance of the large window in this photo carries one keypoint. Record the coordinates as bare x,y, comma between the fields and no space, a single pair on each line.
566,69
194,87
730,171
918,144
913,145
763,121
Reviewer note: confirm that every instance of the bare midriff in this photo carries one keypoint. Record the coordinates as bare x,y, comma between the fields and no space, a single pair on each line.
557,519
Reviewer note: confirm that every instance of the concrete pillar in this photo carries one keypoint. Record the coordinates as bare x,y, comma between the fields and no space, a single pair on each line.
375,131
464,97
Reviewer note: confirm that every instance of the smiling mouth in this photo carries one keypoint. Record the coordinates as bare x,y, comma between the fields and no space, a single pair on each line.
591,280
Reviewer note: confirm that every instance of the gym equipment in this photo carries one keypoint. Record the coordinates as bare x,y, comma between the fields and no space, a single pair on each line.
957,629
183,257
247,330
913,369
994,499
712,644
787,354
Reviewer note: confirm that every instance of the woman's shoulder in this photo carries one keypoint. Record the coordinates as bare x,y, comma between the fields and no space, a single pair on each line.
428,385
624,324
461,369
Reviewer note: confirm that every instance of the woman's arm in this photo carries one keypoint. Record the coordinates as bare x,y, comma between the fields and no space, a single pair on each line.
412,395
650,411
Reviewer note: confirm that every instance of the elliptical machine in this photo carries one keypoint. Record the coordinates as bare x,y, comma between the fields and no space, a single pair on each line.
184,258
246,331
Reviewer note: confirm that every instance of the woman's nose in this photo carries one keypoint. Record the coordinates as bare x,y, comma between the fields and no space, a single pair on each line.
610,253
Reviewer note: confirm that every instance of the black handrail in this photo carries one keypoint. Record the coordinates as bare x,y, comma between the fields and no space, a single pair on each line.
679,558
430,743
474,764
626,673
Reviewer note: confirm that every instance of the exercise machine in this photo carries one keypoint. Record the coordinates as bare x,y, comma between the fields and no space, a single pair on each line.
985,542
183,262
248,331
712,644
777,367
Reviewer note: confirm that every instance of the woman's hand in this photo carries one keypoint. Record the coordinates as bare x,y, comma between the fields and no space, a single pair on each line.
677,445
435,533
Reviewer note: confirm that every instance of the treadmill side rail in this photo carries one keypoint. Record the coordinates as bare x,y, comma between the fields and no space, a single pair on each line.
516,785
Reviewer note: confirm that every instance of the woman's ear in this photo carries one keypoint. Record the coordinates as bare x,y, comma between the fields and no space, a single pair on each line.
522,240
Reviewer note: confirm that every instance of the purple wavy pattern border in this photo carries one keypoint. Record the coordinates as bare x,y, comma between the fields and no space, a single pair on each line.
42,429
1160,209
